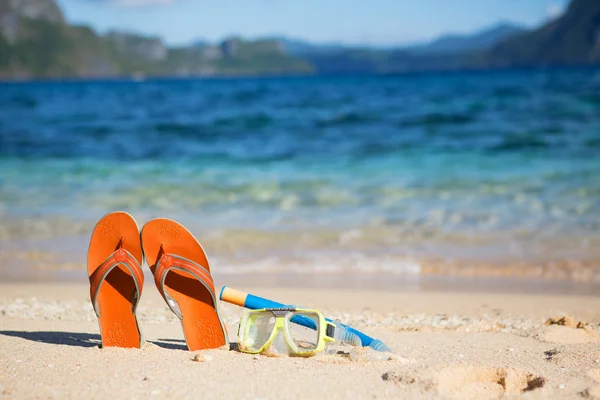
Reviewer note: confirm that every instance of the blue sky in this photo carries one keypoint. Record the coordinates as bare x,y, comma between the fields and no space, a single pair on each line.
372,22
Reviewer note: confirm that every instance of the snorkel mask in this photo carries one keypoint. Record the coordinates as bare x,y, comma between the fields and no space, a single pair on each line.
274,332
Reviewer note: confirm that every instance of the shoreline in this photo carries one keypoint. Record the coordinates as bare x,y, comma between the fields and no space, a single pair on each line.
375,272
296,75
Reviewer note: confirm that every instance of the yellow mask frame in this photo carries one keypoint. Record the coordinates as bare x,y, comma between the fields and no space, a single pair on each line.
255,337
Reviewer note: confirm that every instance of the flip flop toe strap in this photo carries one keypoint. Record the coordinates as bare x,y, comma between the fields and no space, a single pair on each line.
169,262
119,257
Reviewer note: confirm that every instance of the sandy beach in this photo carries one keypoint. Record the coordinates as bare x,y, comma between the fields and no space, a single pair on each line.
448,345
431,182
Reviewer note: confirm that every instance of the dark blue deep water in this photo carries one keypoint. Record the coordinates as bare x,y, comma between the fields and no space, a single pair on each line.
482,166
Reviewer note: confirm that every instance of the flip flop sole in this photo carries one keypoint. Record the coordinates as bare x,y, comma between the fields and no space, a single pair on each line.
116,296
200,320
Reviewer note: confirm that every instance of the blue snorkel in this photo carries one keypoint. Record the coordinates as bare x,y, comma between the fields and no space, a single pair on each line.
346,333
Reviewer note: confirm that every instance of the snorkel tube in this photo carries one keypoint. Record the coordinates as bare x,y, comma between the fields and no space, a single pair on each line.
253,302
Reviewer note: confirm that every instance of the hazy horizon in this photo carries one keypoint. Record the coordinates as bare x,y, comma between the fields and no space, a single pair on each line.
383,23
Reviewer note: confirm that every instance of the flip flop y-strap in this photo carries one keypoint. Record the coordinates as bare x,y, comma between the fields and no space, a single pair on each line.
119,257
168,262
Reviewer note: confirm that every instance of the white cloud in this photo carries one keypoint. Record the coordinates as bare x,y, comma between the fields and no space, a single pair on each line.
554,10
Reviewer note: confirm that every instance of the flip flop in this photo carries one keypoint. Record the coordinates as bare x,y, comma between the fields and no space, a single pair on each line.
182,275
116,279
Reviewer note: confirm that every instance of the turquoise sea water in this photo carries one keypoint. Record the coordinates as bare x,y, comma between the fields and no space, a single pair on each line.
314,174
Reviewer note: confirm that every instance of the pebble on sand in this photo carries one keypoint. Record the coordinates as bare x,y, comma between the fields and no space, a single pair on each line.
202,357
567,321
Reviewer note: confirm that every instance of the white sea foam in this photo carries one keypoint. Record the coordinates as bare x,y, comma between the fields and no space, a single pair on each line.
348,263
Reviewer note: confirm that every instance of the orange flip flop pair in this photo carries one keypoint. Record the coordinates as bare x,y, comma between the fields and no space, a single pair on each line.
181,272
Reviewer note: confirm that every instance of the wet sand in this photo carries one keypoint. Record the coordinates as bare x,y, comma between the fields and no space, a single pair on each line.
370,273
54,247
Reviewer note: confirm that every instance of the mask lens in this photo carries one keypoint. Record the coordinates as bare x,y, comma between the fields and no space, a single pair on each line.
257,330
304,330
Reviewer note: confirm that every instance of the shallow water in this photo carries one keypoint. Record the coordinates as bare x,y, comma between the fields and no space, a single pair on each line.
327,174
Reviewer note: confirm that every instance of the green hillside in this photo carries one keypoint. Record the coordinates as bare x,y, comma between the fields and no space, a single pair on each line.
47,47
50,50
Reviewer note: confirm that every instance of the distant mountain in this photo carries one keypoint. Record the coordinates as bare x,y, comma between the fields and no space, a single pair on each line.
446,52
444,44
572,39
200,43
368,61
464,43
299,47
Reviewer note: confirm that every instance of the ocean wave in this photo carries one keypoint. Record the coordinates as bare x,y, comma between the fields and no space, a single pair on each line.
177,128
243,121
99,132
264,158
24,101
246,96
510,92
593,99
594,143
343,119
183,131
437,119
519,143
